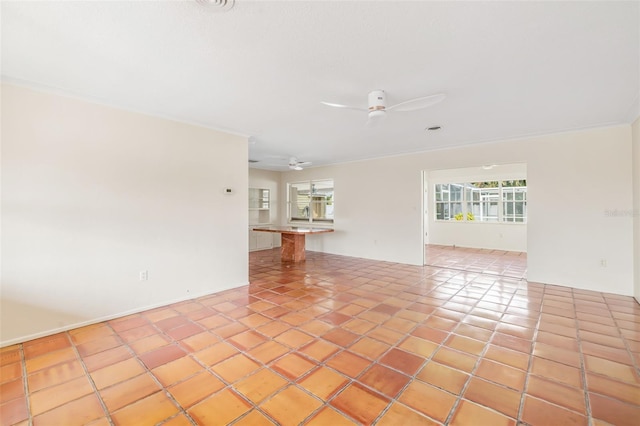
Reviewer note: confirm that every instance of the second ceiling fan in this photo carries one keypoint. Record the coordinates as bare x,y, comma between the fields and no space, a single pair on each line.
377,110
295,164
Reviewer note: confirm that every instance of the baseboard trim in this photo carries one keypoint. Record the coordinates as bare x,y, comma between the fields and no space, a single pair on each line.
57,330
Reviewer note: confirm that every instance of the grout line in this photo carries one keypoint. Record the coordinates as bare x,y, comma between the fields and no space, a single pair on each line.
635,364
136,356
478,361
88,376
25,383
530,363
388,280
583,366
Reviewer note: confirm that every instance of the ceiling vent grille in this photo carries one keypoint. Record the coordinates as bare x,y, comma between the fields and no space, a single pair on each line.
217,5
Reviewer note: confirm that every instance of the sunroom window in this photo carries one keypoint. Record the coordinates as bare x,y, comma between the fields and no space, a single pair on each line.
490,201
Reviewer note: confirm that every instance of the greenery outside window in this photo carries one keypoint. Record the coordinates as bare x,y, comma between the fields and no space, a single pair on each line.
483,199
310,202
491,201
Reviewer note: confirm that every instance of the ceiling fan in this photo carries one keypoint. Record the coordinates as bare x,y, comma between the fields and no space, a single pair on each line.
294,164
378,109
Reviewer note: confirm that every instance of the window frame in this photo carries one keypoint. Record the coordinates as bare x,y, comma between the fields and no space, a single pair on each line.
311,204
513,217
450,208
468,201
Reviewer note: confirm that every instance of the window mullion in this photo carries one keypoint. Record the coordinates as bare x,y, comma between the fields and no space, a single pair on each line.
464,203
501,203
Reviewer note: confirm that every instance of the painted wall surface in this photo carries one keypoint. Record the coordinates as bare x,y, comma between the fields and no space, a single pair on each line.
269,180
635,128
495,236
93,195
575,181
489,235
574,230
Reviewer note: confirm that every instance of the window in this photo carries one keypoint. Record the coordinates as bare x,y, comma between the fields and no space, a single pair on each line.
310,201
448,200
514,201
483,199
492,201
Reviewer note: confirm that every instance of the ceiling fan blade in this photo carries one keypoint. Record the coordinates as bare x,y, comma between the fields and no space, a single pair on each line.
343,106
304,163
418,103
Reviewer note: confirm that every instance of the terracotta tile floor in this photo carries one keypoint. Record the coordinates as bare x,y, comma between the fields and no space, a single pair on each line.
485,261
342,341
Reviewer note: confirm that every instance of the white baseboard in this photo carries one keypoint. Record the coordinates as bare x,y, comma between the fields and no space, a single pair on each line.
52,331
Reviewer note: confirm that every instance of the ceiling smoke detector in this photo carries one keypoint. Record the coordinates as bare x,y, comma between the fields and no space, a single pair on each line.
217,5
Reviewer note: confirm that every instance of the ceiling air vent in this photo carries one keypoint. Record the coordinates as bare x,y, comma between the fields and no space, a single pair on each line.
217,5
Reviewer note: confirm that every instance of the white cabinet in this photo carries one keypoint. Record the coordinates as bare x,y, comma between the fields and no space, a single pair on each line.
260,240
259,215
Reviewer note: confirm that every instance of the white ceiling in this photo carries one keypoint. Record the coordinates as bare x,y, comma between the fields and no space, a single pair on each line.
509,69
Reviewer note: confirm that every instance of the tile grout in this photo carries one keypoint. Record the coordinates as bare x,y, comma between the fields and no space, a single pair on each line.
407,298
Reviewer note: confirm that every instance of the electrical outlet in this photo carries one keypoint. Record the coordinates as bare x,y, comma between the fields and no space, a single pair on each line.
144,275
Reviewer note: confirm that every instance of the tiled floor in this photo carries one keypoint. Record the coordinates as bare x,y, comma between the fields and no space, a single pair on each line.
340,341
485,261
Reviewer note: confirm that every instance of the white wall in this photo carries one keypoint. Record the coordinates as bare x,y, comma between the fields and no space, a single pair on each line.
93,195
495,236
573,180
376,207
498,236
636,206
269,180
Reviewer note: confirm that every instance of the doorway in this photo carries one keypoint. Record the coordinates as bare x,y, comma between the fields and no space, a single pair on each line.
475,219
